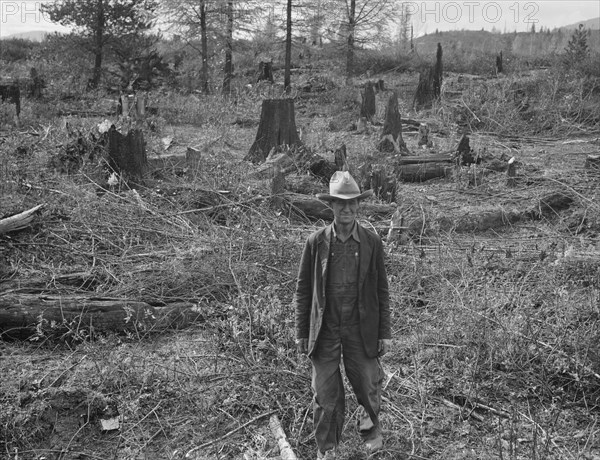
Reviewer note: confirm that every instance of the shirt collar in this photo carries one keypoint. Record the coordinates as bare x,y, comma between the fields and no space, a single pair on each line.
353,233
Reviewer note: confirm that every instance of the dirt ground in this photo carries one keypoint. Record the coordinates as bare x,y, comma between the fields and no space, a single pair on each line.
473,297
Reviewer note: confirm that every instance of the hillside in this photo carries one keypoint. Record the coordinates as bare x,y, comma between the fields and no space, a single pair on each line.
518,43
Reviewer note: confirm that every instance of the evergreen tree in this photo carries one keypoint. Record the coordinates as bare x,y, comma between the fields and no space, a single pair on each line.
103,21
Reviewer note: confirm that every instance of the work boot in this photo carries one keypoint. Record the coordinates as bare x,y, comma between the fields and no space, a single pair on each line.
374,441
328,455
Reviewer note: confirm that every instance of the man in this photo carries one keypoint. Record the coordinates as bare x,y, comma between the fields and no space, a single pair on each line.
342,310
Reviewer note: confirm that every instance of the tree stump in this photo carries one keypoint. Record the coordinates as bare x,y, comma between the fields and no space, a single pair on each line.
391,136
397,234
383,185
593,162
277,127
511,173
36,84
341,158
367,108
423,139
464,153
127,153
429,88
499,63
265,71
277,189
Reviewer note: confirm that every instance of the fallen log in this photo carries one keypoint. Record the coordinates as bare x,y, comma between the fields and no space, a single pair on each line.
417,160
422,172
18,221
285,450
22,314
316,209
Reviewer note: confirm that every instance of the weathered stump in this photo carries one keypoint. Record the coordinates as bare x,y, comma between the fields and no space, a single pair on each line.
429,88
36,84
127,153
265,71
368,108
397,233
465,155
383,185
391,136
499,63
593,162
12,94
341,158
511,173
277,127
424,133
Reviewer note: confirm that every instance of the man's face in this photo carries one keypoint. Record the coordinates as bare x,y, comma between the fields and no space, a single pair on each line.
344,211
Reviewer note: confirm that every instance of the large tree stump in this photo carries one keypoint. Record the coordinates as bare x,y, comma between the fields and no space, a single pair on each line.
127,153
21,314
391,136
277,127
368,108
429,88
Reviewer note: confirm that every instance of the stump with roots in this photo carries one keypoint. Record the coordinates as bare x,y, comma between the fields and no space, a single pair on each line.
277,127
391,136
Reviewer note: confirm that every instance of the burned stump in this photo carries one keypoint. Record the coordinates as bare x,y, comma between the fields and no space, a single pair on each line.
265,72
391,136
11,93
367,107
429,88
127,153
277,127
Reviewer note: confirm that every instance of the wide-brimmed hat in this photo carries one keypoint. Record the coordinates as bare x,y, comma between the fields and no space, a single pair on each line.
343,186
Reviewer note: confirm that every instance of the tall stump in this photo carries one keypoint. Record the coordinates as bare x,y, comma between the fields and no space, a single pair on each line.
391,136
277,127
127,153
368,107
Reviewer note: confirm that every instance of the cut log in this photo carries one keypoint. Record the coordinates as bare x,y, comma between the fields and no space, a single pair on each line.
422,172
21,314
391,136
277,127
446,159
285,450
18,221
313,208
368,108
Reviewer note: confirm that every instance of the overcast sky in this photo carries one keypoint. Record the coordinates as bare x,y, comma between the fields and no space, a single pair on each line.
428,15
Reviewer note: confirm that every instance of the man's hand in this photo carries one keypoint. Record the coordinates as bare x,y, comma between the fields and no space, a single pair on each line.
383,346
302,345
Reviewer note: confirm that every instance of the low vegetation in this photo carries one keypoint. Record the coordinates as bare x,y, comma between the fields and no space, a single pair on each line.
496,351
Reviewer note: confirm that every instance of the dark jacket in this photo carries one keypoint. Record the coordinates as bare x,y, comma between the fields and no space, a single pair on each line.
373,293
